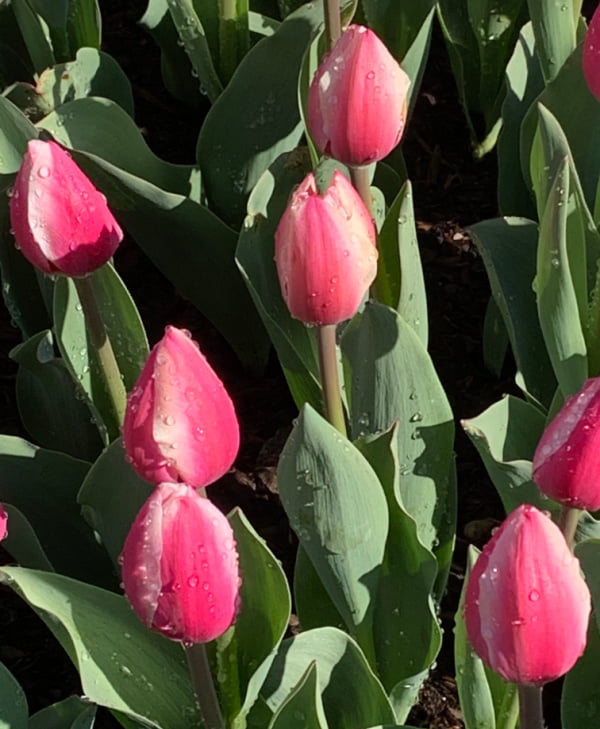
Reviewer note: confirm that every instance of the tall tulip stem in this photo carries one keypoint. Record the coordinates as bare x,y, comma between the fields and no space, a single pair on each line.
101,343
204,686
333,21
530,707
568,521
330,381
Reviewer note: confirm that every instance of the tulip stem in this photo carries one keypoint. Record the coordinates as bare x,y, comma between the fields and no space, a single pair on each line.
101,343
330,381
333,21
530,707
204,686
568,521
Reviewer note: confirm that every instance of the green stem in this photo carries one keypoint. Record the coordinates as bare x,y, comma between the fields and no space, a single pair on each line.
508,714
204,686
101,343
330,381
568,521
530,707
333,21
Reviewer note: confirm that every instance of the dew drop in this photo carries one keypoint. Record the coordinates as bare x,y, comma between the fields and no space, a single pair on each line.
44,172
534,595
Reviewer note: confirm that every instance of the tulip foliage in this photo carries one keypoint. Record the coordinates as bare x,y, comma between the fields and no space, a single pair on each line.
293,230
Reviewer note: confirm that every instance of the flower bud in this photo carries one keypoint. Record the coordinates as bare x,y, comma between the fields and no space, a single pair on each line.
179,423
527,606
566,463
325,252
180,566
591,55
357,100
61,222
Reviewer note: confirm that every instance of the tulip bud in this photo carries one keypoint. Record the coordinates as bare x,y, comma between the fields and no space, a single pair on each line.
566,463
325,252
527,606
357,100
180,566
180,424
591,55
61,222
3,523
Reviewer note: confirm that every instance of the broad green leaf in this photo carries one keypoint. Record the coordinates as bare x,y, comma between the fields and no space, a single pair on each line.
580,703
555,29
294,342
337,508
390,377
14,59
303,708
399,282
13,703
506,435
245,653
259,111
110,497
71,25
234,37
136,671
588,553
314,607
15,131
342,672
35,34
70,713
495,338
51,406
508,248
21,541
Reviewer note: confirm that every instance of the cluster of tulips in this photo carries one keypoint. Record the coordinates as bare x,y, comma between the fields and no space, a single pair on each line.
527,605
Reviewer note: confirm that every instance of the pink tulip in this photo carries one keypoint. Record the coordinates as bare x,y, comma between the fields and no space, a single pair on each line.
591,55
527,606
325,252
180,424
3,523
357,100
566,464
61,222
180,566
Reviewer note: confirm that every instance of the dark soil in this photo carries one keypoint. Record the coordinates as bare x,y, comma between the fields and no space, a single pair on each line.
451,191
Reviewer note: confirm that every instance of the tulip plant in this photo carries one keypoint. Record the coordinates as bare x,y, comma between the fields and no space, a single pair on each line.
294,230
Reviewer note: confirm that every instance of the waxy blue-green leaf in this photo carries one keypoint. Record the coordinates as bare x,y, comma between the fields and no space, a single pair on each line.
342,672
22,543
390,377
495,338
13,703
69,25
256,118
588,553
506,435
234,37
136,672
51,405
555,28
15,131
303,708
70,713
580,701
336,506
508,248
14,59
43,485
314,607
35,36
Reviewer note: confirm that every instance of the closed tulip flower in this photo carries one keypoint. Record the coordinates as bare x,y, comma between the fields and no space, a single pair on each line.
566,463
180,424
527,606
180,566
591,55
325,252
61,222
357,100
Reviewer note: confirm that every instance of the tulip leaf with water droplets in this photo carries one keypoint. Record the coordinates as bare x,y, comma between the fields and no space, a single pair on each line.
13,703
555,28
43,485
15,131
303,708
122,664
506,435
70,713
342,673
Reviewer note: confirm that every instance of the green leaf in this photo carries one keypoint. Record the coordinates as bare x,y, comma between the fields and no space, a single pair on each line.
51,406
70,713
390,377
256,118
342,672
136,671
35,35
314,607
13,704
303,708
555,29
294,342
508,247
70,24
580,703
15,131
43,485
22,543
234,37
495,338
337,508
14,59
506,436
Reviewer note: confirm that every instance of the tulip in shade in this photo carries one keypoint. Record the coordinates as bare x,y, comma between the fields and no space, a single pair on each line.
357,100
180,566
61,222
566,464
325,252
591,55
3,523
527,606
180,424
